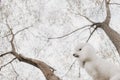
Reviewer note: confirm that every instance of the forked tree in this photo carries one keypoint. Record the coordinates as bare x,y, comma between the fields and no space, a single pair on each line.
47,70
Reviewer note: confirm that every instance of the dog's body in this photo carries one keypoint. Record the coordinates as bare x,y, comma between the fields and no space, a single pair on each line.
97,68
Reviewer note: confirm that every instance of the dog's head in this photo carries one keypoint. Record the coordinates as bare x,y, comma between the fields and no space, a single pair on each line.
83,48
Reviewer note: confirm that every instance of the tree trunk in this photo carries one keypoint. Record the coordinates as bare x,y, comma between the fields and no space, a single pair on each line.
113,35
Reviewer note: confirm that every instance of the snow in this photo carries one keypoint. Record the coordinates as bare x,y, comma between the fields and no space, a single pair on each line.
49,19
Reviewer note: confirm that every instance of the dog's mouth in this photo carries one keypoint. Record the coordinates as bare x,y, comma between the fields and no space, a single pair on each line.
75,55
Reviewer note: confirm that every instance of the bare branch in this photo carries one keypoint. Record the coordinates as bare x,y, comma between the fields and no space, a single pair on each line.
70,67
85,17
70,32
5,53
7,63
22,30
114,4
79,75
108,17
100,6
91,34
15,72
78,13
6,35
12,39
47,70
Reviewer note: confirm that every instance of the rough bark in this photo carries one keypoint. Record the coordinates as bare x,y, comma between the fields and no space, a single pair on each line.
113,35
46,70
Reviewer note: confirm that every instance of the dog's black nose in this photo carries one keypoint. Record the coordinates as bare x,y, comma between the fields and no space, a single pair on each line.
75,55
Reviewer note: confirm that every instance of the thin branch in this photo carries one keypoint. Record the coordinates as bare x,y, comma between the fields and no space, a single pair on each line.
114,4
108,17
85,17
70,32
12,39
79,75
47,70
78,13
15,72
5,54
70,67
8,63
6,35
22,30
91,34
100,6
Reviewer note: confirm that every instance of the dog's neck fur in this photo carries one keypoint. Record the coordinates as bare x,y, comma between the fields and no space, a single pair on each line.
85,61
88,60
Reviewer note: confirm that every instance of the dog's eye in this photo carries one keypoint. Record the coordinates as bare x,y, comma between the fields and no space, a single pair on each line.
80,49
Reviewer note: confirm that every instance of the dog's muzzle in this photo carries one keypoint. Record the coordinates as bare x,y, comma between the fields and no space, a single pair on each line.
75,55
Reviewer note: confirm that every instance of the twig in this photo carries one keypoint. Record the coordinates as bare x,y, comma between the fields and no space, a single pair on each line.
70,67
15,71
69,33
86,17
5,54
108,17
114,4
7,63
79,72
22,30
78,13
100,6
12,39
91,34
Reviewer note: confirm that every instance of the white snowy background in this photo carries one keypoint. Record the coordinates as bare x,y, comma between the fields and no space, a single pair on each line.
49,19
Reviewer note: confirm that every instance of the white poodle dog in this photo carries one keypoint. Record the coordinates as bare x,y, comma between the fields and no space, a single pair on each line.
97,68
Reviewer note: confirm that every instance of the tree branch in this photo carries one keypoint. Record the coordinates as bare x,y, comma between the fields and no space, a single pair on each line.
78,13
70,67
12,39
91,34
47,70
15,72
114,4
22,30
7,63
5,53
108,13
70,32
85,17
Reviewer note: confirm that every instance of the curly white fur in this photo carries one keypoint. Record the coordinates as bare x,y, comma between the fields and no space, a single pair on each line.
97,68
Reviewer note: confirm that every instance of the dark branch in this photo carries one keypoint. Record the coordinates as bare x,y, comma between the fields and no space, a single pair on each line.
22,30
70,32
86,18
114,4
91,34
5,53
108,17
12,39
7,63
15,72
17,31
47,70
